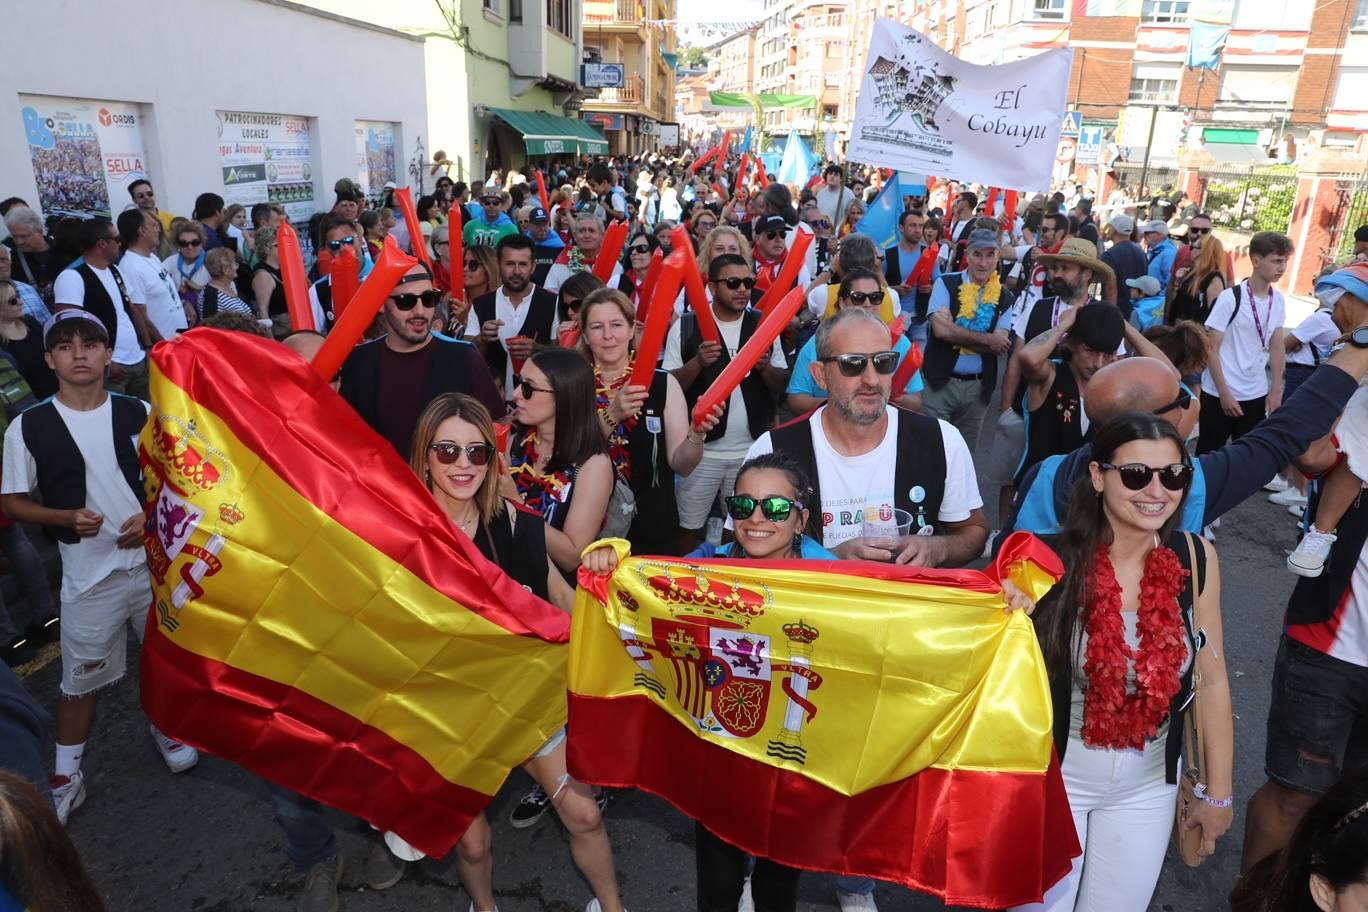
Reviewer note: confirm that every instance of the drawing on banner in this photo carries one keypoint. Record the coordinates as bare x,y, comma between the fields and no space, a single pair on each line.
375,156
267,158
84,153
921,109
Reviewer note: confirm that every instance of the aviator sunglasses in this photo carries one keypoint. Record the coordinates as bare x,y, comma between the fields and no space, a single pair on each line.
479,454
774,507
1136,475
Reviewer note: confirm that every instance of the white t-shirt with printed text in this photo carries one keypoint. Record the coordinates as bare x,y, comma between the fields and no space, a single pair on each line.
149,283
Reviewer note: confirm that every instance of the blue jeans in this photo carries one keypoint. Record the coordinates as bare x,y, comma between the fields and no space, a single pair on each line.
861,885
308,837
27,566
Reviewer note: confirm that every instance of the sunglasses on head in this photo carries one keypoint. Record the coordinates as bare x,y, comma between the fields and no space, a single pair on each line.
853,365
1136,475
409,300
479,454
338,244
1181,403
773,508
193,242
737,282
865,297
526,388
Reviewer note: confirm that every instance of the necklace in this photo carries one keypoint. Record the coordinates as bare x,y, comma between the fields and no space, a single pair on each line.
1114,717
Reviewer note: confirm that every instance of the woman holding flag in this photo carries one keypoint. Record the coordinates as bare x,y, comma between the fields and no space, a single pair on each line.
455,453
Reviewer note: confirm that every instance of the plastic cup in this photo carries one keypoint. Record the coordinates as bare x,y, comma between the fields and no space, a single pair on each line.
885,527
518,362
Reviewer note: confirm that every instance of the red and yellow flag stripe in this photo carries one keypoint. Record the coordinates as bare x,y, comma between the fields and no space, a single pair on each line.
317,618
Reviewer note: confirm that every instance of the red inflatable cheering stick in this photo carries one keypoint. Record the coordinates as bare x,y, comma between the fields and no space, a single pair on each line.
788,273
757,346
694,291
658,319
346,278
614,239
295,279
416,241
389,269
909,367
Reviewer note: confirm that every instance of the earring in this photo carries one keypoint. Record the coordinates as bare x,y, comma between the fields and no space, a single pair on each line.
427,476
797,544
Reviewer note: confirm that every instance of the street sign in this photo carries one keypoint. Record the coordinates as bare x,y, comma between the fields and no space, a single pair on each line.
603,75
1090,145
1068,148
1073,122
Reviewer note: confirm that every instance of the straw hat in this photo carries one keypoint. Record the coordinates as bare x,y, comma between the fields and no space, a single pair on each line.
1084,253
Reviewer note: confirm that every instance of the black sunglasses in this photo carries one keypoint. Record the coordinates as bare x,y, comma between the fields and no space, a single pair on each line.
819,223
410,300
1137,475
1181,403
193,242
773,507
526,388
771,235
853,365
572,304
865,297
338,244
640,248
737,282
479,454
1192,230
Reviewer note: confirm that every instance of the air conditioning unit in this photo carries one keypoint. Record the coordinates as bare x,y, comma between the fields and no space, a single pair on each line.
648,128
481,110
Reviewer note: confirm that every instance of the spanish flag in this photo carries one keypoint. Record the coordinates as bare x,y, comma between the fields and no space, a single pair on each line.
865,719
317,619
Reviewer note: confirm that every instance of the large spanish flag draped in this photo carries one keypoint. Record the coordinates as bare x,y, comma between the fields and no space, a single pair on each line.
865,719
317,619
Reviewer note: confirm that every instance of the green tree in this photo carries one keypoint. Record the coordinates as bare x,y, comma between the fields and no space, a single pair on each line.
695,58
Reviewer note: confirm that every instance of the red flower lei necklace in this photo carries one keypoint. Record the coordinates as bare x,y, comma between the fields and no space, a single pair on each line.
1113,717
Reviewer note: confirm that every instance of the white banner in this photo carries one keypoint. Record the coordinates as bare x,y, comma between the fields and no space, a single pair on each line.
922,109
85,153
267,158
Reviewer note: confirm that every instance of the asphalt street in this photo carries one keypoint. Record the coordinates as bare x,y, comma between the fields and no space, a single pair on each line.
206,840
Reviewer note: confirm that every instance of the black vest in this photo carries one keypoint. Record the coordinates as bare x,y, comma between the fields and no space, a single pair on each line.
1057,426
1061,680
655,526
920,465
541,312
60,465
941,356
760,408
97,299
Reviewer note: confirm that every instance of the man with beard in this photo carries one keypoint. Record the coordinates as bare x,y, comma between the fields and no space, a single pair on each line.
588,236
391,380
868,458
515,319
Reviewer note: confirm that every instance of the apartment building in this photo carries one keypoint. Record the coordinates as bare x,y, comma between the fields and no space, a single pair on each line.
732,68
615,31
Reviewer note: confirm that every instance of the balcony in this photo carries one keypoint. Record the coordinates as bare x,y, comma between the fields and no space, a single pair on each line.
612,12
629,96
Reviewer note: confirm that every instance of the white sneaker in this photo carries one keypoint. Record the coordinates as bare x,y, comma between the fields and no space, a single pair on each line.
473,909
68,793
1209,533
1311,553
747,903
179,757
1278,483
857,902
1288,497
1298,510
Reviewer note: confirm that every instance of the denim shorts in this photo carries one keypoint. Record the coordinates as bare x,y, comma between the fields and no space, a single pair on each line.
1318,721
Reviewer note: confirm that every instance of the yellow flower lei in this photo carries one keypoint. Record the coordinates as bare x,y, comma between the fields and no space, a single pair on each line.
969,304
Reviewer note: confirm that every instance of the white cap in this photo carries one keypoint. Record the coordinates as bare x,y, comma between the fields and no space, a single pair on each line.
1158,226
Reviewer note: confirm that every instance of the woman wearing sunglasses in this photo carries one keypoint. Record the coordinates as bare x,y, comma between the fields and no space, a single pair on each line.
570,299
481,270
558,462
454,453
186,265
648,432
637,261
769,509
1136,594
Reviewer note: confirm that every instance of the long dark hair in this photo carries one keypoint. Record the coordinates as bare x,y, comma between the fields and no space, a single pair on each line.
39,865
579,433
1066,607
1331,841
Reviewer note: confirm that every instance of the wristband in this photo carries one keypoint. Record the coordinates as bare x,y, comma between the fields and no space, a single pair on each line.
1200,792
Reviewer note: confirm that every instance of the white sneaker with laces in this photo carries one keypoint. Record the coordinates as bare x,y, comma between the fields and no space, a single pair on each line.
1278,483
1288,497
857,902
1297,510
1311,553
68,793
179,757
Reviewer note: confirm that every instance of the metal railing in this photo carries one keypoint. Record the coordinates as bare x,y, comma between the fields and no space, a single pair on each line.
611,11
632,92
1350,214
1258,198
1130,174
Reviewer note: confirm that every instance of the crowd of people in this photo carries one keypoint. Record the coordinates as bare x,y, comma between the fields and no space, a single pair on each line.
1143,389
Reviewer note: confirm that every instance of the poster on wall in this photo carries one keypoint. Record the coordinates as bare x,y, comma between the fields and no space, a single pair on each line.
85,153
375,156
267,158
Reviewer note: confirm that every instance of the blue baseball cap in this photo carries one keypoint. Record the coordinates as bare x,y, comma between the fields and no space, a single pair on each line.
538,214
1353,279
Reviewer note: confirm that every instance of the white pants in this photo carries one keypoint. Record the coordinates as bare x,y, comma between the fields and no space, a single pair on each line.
1123,810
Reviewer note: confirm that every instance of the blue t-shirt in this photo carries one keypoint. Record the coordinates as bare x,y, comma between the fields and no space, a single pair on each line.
940,300
811,551
804,383
907,264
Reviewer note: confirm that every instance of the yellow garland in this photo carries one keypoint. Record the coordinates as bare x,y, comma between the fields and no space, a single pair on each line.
969,300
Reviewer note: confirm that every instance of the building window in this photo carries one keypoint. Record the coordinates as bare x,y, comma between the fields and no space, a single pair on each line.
1164,11
558,16
829,111
492,6
515,10
1050,9
1154,90
1361,17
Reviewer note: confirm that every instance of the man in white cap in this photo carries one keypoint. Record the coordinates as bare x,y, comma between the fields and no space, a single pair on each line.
1160,250
1125,257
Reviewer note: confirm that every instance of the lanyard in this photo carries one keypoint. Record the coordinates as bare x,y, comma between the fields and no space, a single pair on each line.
1254,309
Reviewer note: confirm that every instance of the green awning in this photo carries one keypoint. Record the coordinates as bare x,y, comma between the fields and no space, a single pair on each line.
1229,136
552,134
767,100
